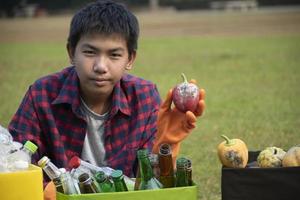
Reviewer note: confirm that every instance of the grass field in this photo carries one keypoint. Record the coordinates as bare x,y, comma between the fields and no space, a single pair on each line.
248,63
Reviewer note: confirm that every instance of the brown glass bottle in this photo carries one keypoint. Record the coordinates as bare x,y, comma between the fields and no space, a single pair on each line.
86,184
166,166
137,179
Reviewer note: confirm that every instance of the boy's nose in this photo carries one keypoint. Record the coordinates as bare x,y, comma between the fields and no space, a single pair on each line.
100,65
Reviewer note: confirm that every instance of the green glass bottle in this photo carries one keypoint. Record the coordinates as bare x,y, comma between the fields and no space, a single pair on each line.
166,166
86,184
181,172
118,179
103,181
148,180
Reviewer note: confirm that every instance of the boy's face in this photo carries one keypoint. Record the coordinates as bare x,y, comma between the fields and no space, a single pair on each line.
100,62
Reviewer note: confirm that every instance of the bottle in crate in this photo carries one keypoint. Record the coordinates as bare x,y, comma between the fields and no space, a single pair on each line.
166,166
155,168
154,164
68,183
118,179
189,172
52,171
181,173
148,180
86,184
105,185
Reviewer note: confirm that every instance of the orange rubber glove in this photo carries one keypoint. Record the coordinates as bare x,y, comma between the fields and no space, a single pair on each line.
50,191
173,126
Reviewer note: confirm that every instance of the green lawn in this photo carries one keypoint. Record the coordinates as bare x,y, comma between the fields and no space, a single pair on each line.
252,86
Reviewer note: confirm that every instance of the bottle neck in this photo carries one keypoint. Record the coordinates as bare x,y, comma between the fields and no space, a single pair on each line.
145,169
52,171
27,151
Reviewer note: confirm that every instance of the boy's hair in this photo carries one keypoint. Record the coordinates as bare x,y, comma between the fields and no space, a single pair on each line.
105,17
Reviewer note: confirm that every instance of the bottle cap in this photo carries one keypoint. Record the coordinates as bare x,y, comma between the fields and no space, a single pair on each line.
43,161
100,176
165,149
117,174
84,177
74,162
181,162
62,170
30,146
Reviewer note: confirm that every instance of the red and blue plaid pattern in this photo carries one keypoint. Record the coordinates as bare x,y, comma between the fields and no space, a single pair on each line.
50,116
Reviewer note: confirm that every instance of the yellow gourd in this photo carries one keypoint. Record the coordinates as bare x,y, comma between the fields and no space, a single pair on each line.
233,153
292,157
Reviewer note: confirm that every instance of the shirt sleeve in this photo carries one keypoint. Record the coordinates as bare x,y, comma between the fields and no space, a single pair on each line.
25,124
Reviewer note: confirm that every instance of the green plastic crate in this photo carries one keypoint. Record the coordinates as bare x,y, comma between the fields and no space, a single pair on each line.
177,193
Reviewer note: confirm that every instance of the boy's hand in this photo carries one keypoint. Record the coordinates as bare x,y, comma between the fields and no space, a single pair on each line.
173,126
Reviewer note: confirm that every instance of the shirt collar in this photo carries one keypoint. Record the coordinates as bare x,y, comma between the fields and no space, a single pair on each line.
120,101
69,94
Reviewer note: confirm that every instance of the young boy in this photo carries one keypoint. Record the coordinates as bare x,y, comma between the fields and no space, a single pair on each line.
94,109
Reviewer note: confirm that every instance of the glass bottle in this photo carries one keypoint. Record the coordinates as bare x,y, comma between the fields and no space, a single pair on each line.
181,172
52,171
20,160
137,179
148,180
189,172
68,184
76,162
86,184
166,166
118,179
105,185
155,168
154,164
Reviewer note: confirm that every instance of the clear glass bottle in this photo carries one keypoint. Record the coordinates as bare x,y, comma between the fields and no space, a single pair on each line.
148,180
86,184
68,184
20,160
181,172
105,185
154,164
52,171
118,179
166,166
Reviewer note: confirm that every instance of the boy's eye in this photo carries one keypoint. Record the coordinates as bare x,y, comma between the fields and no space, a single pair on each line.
115,55
88,52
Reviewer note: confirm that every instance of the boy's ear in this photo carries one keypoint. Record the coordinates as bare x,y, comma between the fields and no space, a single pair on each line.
70,52
131,61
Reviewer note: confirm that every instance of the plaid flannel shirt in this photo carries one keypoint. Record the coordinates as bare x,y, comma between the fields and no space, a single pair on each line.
50,116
